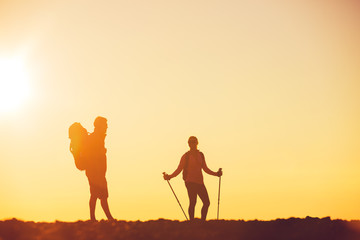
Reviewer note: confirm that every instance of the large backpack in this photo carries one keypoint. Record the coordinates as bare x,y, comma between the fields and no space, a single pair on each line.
78,145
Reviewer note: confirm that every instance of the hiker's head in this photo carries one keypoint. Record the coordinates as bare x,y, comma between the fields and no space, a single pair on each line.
193,142
100,124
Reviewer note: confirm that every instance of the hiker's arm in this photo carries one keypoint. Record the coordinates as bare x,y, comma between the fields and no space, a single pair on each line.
179,168
208,171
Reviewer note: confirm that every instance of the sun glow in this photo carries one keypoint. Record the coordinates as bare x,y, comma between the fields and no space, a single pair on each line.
14,84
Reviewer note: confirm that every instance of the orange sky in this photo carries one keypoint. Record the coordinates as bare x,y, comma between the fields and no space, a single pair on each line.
270,88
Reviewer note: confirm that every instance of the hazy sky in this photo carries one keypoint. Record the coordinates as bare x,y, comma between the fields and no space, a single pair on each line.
269,87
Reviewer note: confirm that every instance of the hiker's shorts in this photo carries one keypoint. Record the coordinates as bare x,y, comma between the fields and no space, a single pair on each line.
98,187
194,190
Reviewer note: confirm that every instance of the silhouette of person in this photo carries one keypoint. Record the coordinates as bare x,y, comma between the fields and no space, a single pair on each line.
192,163
96,168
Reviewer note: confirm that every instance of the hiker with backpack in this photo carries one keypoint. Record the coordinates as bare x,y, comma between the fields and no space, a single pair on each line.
90,155
192,163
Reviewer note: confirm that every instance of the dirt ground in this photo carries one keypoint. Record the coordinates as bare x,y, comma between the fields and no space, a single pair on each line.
287,229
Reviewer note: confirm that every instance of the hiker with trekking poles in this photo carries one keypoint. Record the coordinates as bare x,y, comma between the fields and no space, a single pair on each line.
192,163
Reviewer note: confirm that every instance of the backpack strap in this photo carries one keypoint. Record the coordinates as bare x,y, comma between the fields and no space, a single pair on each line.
202,157
185,170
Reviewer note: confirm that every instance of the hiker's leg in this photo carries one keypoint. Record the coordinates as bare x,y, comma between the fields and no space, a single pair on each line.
105,207
92,204
203,194
191,189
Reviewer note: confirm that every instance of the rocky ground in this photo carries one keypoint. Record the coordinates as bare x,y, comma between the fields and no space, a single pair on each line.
287,229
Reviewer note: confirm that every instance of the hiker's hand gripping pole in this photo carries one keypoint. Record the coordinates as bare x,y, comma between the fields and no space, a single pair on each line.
164,174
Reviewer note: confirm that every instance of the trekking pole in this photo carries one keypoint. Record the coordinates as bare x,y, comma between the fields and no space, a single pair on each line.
176,197
219,196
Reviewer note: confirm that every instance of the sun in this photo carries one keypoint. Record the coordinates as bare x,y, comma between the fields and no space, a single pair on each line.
14,84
